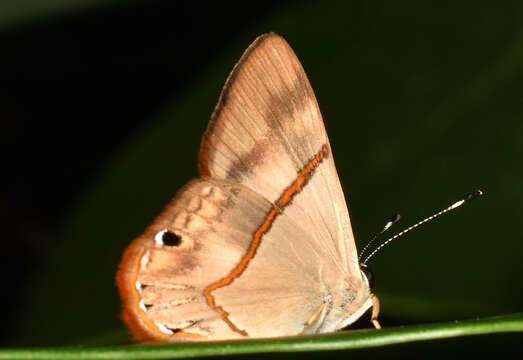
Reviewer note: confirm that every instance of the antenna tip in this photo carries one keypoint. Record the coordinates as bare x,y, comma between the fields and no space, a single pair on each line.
473,195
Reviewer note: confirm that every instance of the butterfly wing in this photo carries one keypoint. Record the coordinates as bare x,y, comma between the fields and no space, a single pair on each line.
261,245
265,129
172,277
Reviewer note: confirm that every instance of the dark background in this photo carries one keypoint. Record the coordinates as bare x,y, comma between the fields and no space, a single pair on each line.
103,103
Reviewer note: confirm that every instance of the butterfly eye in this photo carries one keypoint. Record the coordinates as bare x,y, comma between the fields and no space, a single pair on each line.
368,274
167,238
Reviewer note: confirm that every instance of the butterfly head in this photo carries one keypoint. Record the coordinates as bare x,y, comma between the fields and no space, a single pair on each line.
368,275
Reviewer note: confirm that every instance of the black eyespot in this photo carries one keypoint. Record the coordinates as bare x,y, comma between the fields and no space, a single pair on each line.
168,238
174,330
368,274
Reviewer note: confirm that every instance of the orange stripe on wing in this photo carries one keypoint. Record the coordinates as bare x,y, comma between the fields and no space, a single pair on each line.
283,201
143,328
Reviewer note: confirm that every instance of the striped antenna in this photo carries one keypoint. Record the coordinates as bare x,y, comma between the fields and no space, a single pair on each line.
389,223
457,204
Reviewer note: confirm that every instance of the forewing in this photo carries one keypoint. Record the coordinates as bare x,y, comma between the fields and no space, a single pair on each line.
265,130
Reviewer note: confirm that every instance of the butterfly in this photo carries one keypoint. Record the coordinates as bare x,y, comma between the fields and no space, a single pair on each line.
261,244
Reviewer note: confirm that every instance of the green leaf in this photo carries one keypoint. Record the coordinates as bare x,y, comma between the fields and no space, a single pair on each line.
327,342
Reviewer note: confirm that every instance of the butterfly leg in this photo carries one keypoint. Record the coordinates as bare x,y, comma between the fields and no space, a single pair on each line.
375,312
316,319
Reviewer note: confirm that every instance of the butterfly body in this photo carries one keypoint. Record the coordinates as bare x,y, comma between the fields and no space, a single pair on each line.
261,244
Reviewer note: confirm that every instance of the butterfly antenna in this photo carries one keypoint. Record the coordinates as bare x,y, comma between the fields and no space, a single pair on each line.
392,221
457,204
